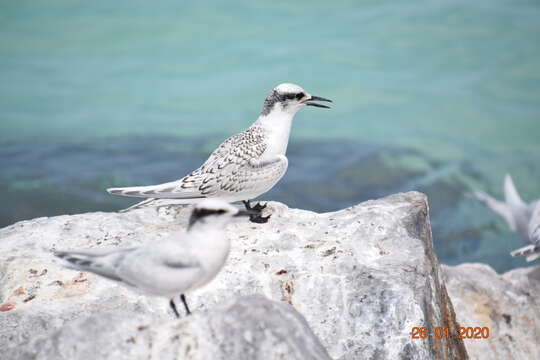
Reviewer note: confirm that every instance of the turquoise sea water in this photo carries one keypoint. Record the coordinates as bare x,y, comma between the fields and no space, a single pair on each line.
437,96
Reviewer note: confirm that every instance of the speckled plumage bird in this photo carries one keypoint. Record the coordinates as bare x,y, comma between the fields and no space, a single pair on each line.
243,167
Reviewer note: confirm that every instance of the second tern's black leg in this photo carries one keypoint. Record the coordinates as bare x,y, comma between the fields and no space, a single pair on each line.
183,297
259,208
173,307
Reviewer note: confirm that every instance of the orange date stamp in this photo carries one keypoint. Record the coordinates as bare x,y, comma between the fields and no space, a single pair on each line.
445,333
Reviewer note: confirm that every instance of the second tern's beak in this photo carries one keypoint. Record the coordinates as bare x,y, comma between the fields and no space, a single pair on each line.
246,213
317,98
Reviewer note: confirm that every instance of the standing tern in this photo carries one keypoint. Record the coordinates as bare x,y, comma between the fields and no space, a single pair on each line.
181,262
244,166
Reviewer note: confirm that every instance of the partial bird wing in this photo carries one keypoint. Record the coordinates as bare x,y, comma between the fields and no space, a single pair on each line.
230,159
534,224
532,251
498,206
511,195
519,209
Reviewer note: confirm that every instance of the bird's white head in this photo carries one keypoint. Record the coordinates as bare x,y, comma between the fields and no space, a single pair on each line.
289,98
214,212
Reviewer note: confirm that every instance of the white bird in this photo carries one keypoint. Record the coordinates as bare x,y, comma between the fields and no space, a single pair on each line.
181,262
521,217
244,166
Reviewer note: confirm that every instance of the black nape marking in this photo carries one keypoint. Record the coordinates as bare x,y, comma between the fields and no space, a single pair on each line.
275,97
199,214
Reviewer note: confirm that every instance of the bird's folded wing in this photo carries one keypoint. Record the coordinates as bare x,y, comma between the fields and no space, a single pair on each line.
255,174
226,163
182,263
228,159
155,262
172,253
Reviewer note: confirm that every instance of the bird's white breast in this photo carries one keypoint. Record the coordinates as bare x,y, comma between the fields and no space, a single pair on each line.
277,126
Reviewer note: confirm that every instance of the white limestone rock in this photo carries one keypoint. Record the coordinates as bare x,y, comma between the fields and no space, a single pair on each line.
507,304
362,277
250,328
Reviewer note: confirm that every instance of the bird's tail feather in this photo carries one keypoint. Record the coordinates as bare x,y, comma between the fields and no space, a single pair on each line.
86,262
73,259
138,205
162,191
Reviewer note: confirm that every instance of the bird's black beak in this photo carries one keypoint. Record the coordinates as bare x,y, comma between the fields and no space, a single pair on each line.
317,98
247,213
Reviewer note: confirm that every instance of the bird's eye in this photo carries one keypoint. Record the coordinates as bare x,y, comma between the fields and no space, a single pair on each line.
300,95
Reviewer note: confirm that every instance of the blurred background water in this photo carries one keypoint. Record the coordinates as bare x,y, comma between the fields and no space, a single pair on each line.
437,96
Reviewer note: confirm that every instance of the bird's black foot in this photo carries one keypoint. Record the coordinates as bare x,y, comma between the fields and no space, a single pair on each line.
259,207
257,218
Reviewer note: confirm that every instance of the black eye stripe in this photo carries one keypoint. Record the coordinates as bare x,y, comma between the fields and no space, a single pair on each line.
292,96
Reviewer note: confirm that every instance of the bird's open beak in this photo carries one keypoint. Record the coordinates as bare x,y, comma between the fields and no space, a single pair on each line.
317,98
247,213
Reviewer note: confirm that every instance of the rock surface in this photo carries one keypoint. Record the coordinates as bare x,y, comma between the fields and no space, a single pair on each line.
362,277
241,330
508,304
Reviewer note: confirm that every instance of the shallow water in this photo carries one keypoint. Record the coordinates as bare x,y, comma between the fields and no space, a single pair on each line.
437,96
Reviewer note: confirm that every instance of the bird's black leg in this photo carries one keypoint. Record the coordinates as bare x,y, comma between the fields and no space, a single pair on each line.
173,307
259,208
185,303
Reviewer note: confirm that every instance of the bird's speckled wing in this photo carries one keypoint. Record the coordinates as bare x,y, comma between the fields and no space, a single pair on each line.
222,169
236,170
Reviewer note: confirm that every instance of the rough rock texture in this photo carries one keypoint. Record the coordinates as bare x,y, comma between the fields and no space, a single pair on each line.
508,304
362,277
241,330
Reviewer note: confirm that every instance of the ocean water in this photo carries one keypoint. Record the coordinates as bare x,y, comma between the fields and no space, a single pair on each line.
437,96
